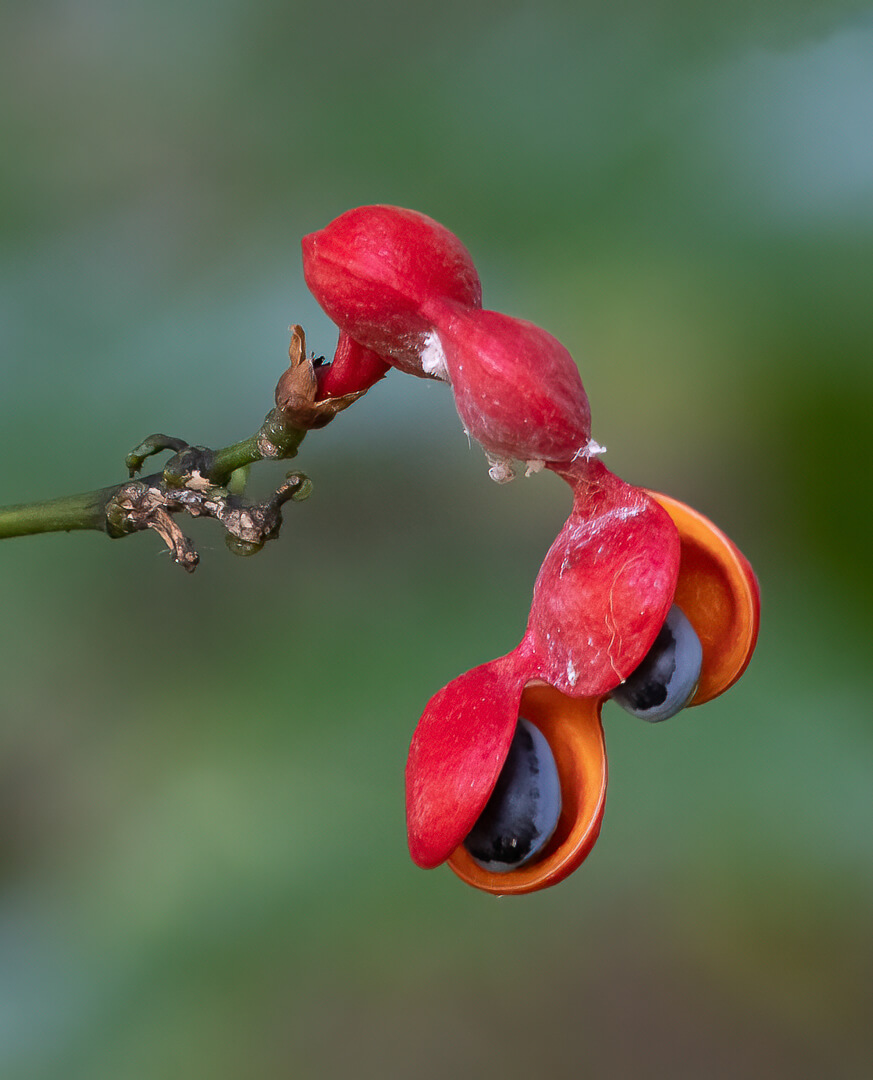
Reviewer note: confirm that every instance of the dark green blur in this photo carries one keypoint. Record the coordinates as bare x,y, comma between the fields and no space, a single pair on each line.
203,866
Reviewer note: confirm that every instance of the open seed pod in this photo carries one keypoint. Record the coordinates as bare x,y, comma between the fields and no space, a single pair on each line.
574,733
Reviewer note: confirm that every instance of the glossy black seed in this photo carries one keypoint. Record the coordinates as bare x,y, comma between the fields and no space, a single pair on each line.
666,679
521,815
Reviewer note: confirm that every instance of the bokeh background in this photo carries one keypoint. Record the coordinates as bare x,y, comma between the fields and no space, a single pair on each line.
203,869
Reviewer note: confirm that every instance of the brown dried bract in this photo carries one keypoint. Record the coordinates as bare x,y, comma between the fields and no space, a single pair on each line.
296,390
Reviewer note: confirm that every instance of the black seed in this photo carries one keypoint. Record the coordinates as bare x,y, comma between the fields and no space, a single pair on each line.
523,810
667,677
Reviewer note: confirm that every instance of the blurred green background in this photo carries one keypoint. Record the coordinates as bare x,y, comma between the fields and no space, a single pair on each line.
203,868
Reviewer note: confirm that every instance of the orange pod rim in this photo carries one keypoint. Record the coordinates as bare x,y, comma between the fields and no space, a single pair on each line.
719,594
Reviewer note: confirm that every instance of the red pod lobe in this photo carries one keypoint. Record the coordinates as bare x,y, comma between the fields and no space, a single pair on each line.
371,270
456,755
517,389
605,587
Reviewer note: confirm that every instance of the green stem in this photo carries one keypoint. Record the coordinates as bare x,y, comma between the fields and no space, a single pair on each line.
275,440
84,511
231,458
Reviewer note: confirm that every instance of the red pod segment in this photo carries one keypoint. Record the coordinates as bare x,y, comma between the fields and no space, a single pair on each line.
456,755
517,389
604,589
372,268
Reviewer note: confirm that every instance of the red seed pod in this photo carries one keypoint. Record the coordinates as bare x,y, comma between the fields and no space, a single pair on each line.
605,587
517,389
372,268
458,750
619,553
